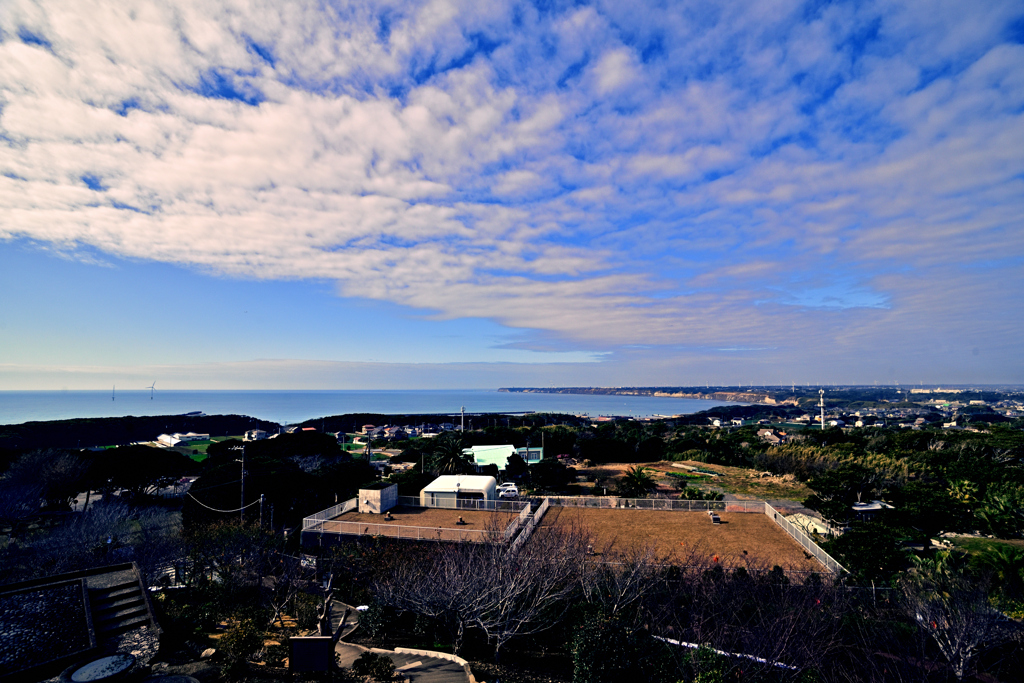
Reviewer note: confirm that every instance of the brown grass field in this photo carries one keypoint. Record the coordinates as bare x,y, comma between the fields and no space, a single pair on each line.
423,523
742,540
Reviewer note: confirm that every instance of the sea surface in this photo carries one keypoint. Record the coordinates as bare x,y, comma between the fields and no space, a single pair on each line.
287,407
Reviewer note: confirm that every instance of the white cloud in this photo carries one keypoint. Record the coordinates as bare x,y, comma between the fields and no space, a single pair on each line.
553,173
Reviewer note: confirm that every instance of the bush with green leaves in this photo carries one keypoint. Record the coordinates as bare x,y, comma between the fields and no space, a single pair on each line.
377,667
693,493
242,641
606,648
707,666
375,620
276,655
305,607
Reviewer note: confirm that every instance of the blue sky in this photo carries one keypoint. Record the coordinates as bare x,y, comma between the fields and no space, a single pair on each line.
464,194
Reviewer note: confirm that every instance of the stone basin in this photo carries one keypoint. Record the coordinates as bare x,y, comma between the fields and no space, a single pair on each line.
104,669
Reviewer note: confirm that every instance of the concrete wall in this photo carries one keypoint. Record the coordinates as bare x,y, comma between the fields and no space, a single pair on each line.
378,501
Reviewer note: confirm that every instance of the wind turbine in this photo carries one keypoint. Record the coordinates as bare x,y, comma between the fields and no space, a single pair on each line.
152,389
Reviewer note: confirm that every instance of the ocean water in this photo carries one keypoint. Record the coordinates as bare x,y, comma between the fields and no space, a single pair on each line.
286,407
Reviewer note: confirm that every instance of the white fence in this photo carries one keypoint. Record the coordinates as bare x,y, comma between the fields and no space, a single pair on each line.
466,504
330,513
609,502
518,522
803,539
531,524
417,533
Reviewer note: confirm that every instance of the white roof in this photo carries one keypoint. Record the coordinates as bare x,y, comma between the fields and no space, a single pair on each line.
461,482
873,505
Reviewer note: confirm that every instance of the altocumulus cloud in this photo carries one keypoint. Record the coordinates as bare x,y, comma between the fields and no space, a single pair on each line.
606,174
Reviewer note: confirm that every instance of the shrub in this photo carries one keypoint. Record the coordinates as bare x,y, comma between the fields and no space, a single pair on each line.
707,666
276,654
306,606
691,493
378,667
243,641
375,620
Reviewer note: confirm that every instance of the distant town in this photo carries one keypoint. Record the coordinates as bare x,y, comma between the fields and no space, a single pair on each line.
527,547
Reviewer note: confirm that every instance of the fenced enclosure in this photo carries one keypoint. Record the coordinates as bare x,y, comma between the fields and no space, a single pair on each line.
437,528
325,521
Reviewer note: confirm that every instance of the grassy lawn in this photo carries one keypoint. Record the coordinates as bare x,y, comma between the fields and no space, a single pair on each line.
738,480
201,446
976,546
353,447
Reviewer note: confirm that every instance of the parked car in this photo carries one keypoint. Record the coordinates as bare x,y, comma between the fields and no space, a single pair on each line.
508,490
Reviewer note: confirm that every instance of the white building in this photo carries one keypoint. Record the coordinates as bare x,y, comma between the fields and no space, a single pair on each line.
181,439
499,455
192,436
447,490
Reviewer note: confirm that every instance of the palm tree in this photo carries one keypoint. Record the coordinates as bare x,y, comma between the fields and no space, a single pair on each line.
1006,563
448,455
637,482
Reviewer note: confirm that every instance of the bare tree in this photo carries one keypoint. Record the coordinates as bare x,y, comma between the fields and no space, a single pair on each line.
526,586
620,581
108,533
443,583
952,606
60,475
503,590
282,582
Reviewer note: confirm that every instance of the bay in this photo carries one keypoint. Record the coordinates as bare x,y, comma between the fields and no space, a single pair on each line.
288,407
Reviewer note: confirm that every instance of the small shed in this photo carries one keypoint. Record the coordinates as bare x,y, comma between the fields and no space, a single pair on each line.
376,499
447,490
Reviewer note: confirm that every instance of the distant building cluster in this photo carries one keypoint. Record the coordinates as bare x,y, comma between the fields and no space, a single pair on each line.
398,433
178,439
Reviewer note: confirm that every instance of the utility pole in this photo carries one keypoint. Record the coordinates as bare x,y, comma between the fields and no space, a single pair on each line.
463,428
262,498
821,403
241,512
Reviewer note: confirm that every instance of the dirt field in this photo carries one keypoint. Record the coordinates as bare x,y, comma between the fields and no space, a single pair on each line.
738,480
742,539
423,523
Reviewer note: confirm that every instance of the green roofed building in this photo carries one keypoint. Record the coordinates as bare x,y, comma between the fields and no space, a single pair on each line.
499,455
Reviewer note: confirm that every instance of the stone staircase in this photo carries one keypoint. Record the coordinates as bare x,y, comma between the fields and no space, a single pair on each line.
119,606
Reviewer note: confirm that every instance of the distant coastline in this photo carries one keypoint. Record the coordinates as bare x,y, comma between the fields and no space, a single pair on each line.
292,407
733,396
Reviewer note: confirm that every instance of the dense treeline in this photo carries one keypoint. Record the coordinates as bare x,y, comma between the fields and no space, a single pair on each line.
353,422
297,474
111,431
